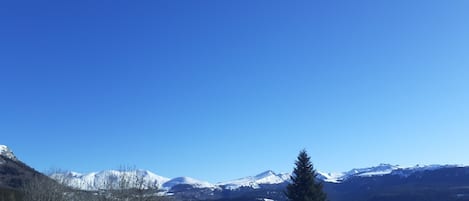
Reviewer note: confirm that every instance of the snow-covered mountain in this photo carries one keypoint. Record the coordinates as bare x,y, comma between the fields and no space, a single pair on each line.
406,171
109,179
267,177
188,181
425,182
5,151
381,169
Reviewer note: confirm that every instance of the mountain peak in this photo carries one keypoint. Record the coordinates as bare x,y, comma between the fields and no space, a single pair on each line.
266,177
6,152
265,174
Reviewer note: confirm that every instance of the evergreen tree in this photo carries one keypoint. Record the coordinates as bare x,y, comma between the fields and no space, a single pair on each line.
304,186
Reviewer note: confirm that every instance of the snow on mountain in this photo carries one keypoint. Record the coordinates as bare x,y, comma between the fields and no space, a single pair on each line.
109,179
188,181
381,169
406,171
330,177
267,177
5,151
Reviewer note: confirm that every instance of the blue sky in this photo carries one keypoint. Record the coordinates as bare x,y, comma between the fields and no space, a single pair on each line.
217,90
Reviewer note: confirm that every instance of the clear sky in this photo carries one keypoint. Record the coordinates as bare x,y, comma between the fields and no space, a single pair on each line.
220,89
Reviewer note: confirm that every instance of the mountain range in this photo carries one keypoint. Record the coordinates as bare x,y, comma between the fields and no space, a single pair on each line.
98,180
382,182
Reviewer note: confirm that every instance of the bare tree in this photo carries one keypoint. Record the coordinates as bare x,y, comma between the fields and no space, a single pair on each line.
129,184
54,188
42,188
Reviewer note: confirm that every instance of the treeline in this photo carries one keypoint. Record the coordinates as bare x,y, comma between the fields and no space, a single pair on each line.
10,195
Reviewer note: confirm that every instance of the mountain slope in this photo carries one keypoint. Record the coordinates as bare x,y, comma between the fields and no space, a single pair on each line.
106,179
383,182
188,181
6,152
13,172
109,179
267,177
381,169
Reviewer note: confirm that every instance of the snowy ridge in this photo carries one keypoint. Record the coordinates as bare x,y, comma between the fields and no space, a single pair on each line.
187,181
267,177
6,152
406,171
109,179
381,169
330,177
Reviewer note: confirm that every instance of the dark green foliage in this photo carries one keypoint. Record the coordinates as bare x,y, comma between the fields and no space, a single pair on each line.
304,186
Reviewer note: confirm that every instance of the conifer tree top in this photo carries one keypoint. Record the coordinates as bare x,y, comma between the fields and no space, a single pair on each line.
304,186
